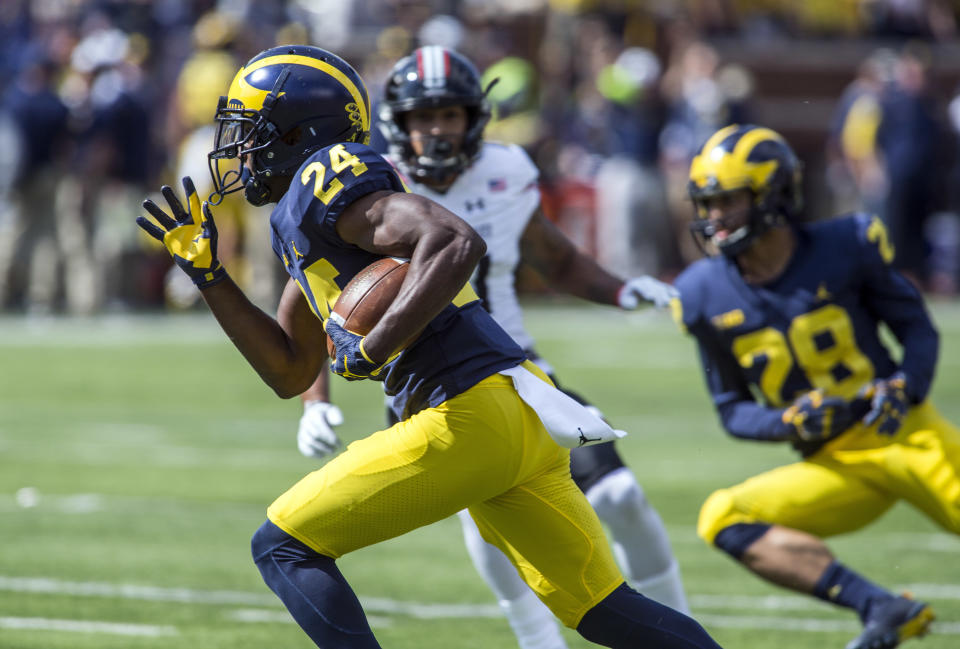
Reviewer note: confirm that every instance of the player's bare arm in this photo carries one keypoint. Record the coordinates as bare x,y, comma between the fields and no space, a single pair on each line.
285,356
548,251
284,352
443,251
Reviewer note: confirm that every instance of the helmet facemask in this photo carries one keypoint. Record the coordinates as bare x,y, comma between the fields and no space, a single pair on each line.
759,219
241,133
440,159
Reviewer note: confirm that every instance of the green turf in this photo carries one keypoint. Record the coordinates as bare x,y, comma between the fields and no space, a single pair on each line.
138,455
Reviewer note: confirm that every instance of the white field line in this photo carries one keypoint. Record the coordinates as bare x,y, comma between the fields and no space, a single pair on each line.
84,626
49,586
802,624
259,615
425,611
800,603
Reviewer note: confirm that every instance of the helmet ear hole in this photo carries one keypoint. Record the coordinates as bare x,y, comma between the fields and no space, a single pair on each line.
292,136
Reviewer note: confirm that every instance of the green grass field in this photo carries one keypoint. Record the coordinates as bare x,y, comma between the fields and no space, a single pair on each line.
137,456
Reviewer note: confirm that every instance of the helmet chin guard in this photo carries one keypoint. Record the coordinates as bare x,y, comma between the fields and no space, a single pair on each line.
255,191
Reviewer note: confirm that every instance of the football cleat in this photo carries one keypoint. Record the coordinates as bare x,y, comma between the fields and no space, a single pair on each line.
892,623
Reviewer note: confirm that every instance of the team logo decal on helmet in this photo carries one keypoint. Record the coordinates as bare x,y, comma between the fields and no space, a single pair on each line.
283,105
433,77
745,157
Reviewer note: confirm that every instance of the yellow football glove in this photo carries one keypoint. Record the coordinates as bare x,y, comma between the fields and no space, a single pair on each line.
817,417
888,403
190,236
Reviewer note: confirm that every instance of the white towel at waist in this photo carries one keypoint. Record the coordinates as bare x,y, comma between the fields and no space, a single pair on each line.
569,423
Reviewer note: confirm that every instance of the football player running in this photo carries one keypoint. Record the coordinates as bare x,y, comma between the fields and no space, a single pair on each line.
433,115
786,319
296,124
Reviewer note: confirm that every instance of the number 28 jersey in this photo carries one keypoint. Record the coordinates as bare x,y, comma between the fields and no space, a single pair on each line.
815,326
460,346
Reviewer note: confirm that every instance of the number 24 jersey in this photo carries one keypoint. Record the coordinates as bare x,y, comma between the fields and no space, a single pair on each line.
459,347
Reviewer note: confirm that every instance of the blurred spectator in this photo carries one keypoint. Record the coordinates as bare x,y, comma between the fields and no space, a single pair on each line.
943,227
886,136
907,139
634,231
109,99
855,172
11,157
702,97
32,239
909,19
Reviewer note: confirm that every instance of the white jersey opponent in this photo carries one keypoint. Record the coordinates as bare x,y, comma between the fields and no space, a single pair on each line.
496,195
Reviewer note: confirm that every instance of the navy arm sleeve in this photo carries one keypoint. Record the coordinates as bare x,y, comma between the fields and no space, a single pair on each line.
739,412
892,299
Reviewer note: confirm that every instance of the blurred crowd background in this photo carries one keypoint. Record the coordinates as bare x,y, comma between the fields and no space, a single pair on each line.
102,102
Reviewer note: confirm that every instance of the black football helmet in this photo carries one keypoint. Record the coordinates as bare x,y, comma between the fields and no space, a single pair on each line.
433,77
745,157
283,105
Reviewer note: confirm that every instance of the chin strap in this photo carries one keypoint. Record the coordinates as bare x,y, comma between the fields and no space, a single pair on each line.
255,190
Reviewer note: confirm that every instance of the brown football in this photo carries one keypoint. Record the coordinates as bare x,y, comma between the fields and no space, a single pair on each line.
367,296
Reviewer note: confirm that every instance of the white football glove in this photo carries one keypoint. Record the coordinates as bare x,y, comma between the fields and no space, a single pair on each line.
316,437
648,289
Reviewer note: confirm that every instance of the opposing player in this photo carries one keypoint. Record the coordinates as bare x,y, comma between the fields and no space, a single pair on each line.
433,117
296,120
786,319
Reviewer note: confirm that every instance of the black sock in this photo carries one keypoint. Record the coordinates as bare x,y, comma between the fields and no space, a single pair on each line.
842,586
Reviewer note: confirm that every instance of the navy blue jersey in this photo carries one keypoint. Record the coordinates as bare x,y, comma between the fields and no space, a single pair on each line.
459,347
815,326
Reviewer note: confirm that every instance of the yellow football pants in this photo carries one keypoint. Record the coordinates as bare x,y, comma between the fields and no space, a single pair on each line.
851,481
485,450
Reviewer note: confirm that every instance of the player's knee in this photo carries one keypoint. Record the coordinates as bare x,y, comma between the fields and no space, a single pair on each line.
266,539
270,543
625,618
617,495
719,512
735,539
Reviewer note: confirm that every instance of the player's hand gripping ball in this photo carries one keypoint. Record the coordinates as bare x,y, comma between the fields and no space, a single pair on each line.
359,308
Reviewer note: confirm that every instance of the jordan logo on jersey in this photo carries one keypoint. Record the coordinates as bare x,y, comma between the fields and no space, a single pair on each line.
822,293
